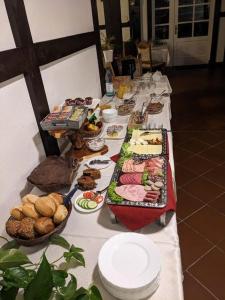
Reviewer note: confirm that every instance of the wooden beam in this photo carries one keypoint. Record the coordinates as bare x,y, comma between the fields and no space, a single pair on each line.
98,44
124,24
51,50
113,21
22,36
12,63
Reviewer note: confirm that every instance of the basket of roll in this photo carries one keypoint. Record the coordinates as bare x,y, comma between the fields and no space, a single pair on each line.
37,218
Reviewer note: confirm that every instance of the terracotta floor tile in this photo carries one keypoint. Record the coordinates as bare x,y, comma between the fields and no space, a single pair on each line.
183,175
193,290
194,145
192,245
214,154
198,164
186,204
221,245
203,189
217,175
210,271
219,204
180,154
209,223
209,137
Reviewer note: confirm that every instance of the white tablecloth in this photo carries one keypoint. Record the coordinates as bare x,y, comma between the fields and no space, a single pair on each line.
90,231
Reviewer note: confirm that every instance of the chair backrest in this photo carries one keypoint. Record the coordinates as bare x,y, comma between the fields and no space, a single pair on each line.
144,50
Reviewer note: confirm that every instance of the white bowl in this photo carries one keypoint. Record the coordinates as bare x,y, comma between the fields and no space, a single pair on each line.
109,115
96,144
129,266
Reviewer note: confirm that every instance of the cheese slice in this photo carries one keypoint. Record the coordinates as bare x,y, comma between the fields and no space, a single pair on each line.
146,149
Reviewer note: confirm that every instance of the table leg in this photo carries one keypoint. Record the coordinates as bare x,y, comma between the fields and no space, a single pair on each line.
162,219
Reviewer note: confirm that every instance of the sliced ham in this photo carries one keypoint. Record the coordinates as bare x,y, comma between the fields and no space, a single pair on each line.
131,192
129,166
131,178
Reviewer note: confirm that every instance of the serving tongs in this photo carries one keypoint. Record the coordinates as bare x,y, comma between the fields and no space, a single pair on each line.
69,196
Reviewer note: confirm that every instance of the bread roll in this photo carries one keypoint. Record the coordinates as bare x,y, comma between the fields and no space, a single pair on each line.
26,229
12,227
17,213
58,199
60,214
29,198
30,211
45,206
44,225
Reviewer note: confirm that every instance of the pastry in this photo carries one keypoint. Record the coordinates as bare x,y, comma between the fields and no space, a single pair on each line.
29,198
44,225
93,173
60,214
29,210
12,227
86,183
17,213
57,198
26,229
45,206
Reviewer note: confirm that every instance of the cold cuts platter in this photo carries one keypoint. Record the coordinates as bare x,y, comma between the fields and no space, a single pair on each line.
139,182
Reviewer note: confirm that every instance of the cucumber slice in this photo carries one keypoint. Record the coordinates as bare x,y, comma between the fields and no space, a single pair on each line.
81,202
85,206
92,204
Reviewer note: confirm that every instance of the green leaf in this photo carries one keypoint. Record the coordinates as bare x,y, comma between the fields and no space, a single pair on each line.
10,245
73,254
41,286
12,258
76,249
94,293
68,292
60,241
18,277
8,294
59,277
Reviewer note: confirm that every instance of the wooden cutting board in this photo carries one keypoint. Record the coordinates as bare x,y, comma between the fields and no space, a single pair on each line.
85,153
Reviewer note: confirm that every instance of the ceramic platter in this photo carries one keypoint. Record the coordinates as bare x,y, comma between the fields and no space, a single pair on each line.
129,261
82,210
162,202
121,134
100,162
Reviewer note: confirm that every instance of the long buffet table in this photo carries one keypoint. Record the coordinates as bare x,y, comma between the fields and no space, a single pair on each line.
90,231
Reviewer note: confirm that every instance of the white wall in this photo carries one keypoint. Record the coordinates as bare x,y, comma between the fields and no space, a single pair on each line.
74,75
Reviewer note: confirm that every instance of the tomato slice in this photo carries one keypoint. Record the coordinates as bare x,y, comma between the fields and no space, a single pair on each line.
98,199
89,195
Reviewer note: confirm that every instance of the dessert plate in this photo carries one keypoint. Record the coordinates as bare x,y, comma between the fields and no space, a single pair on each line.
129,261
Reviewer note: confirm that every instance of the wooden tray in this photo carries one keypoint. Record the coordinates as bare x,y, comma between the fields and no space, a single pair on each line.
85,153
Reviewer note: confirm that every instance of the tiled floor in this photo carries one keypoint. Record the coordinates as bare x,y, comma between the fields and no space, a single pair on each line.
198,124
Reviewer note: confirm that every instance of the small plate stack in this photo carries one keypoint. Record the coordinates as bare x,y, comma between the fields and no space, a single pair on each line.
129,266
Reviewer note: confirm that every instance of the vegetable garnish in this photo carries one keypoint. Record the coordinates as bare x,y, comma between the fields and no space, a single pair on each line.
112,194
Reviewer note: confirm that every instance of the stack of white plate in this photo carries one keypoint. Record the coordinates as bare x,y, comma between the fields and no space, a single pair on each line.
129,266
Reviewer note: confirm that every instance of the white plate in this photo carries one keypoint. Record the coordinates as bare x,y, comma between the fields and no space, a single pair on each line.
99,166
129,261
80,209
94,104
121,134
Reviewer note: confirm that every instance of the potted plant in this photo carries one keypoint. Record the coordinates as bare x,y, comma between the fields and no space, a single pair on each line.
43,280
107,48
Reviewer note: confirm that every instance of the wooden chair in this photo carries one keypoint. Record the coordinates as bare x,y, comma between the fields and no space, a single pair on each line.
145,56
